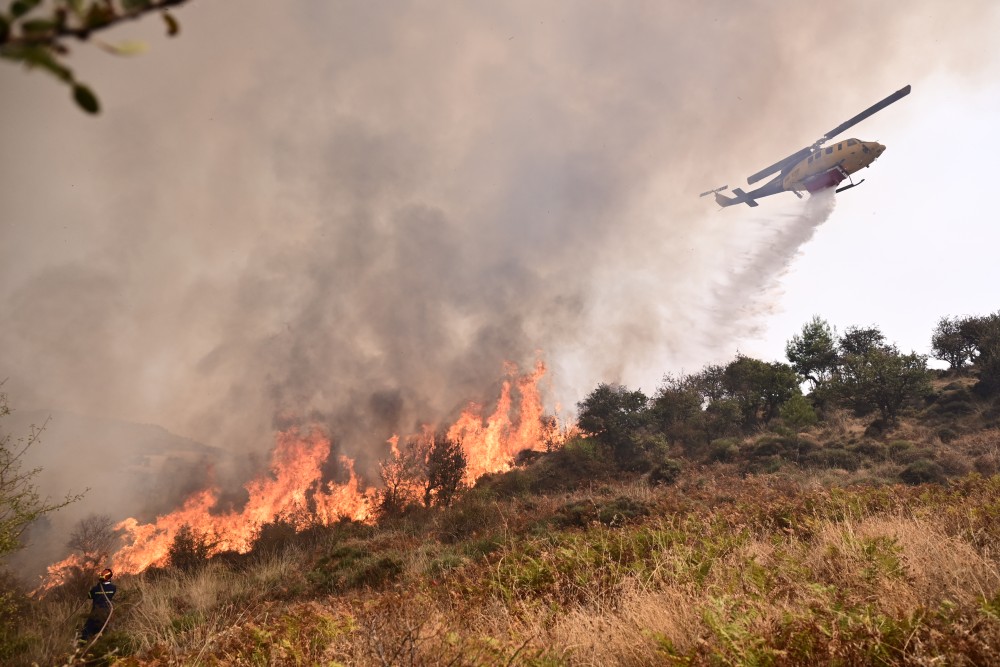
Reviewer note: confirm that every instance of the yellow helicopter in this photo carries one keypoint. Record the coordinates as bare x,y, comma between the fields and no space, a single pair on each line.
815,167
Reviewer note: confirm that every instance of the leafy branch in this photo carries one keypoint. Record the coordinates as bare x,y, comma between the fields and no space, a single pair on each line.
20,501
35,33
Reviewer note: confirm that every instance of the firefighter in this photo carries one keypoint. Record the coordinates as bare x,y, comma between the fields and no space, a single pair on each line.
100,611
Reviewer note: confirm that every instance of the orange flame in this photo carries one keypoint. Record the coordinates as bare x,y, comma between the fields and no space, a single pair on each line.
492,447
294,490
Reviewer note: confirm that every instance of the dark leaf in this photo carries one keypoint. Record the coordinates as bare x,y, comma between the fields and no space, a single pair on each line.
86,99
98,16
38,26
21,7
173,27
130,5
40,56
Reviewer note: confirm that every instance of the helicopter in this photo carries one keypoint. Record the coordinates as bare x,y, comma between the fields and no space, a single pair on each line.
816,167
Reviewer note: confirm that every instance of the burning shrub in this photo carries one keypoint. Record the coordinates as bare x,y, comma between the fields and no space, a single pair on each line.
274,537
446,467
190,549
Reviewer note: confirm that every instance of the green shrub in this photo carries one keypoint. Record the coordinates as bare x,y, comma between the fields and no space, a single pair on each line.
13,604
445,563
798,412
582,513
877,428
872,450
115,643
510,484
946,434
987,465
790,447
483,546
953,408
763,465
472,515
621,510
665,473
834,457
900,451
723,449
923,471
349,567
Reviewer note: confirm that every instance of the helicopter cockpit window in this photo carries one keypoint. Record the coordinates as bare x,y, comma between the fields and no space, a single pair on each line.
829,150
840,146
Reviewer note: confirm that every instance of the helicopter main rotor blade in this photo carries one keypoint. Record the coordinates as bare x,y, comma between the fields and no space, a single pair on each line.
799,155
870,111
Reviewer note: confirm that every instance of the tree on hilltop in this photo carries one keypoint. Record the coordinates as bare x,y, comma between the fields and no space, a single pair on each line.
759,388
953,341
859,341
984,332
813,352
613,414
875,376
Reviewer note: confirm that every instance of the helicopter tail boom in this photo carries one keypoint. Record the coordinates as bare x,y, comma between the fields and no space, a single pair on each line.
740,198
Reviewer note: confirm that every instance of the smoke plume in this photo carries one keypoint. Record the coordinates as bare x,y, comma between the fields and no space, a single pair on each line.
355,213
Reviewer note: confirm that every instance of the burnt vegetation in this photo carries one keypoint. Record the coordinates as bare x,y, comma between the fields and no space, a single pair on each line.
841,508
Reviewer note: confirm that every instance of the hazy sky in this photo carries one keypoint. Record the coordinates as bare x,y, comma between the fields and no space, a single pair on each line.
356,212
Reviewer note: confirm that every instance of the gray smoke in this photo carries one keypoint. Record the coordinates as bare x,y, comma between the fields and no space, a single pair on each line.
356,212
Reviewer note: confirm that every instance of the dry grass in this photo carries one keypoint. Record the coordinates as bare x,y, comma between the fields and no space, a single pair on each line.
715,570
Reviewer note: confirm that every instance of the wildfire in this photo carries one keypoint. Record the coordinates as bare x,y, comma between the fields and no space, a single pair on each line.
294,490
491,447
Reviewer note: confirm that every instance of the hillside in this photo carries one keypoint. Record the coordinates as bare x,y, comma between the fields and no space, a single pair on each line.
842,542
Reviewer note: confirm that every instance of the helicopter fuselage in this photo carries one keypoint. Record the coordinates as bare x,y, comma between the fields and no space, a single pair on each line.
830,165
